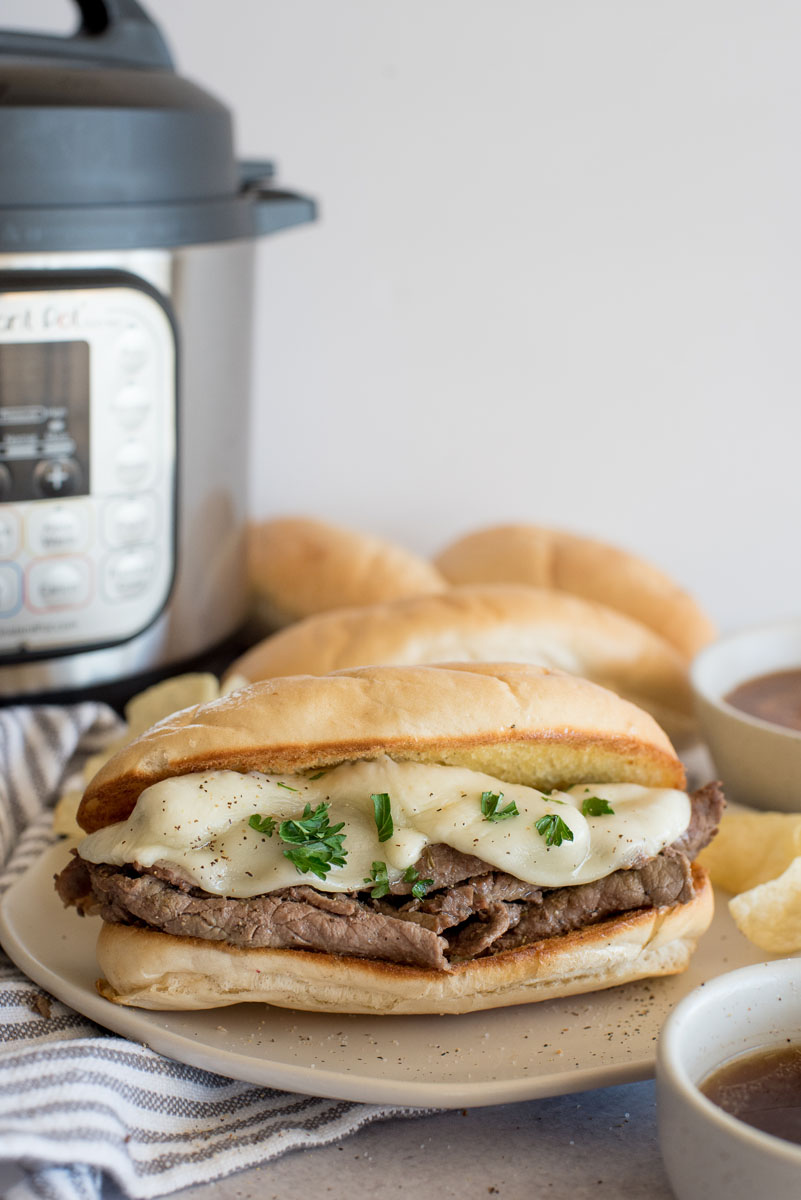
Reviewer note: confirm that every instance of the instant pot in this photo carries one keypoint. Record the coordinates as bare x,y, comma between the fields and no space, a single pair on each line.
127,234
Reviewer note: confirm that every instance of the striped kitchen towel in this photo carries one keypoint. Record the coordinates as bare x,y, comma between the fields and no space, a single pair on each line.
77,1102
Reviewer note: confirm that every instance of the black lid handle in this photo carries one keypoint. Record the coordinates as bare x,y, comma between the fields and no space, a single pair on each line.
273,209
115,33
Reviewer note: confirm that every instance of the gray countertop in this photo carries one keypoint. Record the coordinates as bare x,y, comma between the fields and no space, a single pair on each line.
600,1144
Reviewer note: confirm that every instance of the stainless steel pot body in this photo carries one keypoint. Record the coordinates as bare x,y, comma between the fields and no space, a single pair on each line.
205,292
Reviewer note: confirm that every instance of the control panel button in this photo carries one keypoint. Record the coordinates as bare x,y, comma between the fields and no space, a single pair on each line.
58,528
57,477
131,405
130,520
9,534
62,583
133,351
129,573
133,464
10,589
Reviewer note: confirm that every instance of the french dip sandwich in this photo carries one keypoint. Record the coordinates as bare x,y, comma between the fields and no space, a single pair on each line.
420,839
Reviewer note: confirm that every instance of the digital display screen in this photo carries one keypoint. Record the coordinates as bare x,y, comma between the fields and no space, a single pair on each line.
44,420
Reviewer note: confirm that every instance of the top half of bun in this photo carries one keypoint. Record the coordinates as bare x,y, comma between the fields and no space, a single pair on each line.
586,567
299,566
518,722
489,623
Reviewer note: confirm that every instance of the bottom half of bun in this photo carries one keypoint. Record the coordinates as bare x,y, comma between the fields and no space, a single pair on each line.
145,968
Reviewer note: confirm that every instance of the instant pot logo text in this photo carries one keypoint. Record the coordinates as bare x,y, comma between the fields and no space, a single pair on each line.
50,318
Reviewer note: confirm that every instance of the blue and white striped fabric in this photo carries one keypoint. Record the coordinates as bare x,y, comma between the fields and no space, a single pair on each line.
76,1102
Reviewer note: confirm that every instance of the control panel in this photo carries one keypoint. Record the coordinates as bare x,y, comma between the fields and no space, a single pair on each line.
87,465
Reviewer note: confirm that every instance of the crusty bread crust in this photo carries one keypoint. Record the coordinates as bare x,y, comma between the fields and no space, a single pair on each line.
298,566
519,722
586,567
148,969
489,622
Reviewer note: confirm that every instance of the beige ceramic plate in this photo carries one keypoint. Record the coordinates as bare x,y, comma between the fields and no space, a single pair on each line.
449,1062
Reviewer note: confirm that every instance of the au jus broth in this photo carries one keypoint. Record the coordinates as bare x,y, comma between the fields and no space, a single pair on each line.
763,1089
775,697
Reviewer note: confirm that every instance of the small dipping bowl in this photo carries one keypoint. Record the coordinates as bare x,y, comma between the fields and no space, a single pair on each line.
708,1154
758,762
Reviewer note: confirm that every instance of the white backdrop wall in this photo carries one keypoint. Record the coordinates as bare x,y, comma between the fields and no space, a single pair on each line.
556,275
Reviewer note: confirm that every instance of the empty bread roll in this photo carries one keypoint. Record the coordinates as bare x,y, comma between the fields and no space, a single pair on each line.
586,567
298,566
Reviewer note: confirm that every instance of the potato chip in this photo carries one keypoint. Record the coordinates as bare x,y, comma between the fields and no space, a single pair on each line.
165,698
64,815
751,848
770,915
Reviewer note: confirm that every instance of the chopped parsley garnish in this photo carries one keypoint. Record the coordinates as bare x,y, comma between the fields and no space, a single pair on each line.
286,785
264,825
315,844
490,810
379,876
319,775
553,829
419,886
383,815
596,806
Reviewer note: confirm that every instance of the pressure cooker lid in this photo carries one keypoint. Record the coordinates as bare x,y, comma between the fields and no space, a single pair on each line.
103,145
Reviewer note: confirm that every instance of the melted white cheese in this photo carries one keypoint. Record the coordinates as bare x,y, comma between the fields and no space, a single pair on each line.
199,824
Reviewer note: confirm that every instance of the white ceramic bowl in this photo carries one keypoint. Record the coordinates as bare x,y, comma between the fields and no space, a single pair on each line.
759,763
708,1154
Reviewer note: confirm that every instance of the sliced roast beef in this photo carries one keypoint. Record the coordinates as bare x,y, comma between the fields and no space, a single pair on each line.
339,924
74,884
481,910
450,907
707,805
665,879
444,866
442,911
479,935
